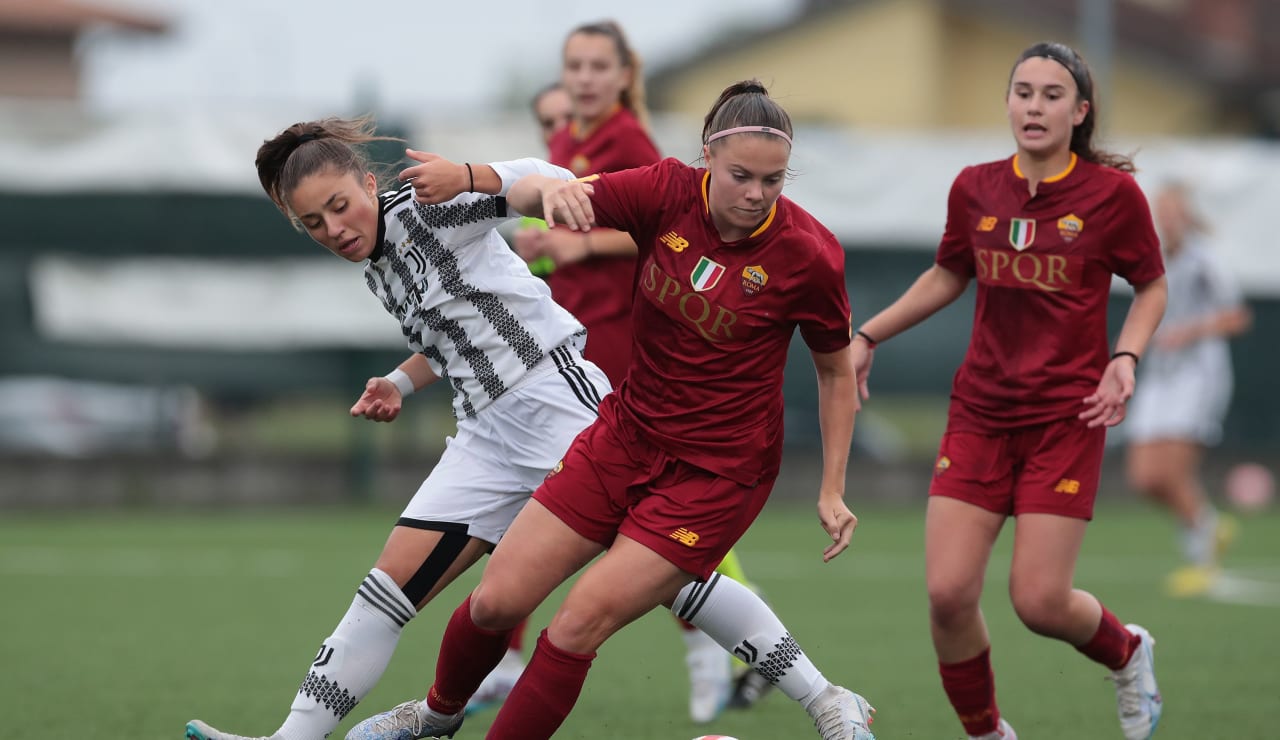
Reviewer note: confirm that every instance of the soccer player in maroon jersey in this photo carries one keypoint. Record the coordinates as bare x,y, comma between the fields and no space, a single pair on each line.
687,449
1043,232
593,275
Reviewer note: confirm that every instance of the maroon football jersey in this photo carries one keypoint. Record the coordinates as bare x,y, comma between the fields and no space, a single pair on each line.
598,290
1044,267
713,320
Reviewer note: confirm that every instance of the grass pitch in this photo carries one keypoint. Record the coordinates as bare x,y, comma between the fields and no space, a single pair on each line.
127,624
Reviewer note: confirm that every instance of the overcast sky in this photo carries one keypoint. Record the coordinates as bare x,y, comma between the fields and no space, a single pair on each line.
409,54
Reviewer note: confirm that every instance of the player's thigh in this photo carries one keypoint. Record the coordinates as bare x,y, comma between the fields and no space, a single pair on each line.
958,539
537,554
623,585
1045,550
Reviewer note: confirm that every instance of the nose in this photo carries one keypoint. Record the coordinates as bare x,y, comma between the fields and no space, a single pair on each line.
755,191
333,226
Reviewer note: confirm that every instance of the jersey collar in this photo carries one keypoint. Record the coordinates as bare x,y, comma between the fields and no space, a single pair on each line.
580,134
1017,171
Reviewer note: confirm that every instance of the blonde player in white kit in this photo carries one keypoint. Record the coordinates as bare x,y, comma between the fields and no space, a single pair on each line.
1184,388
476,318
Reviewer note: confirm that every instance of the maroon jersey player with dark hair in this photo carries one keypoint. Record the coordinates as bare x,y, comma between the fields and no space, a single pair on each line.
686,450
1043,232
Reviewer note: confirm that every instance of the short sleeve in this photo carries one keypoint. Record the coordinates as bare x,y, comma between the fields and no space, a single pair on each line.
955,251
824,315
1134,248
630,200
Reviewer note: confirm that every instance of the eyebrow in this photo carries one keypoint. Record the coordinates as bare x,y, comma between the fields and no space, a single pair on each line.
736,166
1050,86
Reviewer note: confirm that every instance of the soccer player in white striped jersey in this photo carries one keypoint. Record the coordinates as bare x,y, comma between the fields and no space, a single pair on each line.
475,316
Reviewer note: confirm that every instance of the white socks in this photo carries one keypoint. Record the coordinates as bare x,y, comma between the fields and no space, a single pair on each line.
739,620
351,660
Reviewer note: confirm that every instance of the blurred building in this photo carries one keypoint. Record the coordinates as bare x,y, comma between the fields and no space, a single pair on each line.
38,40
1177,67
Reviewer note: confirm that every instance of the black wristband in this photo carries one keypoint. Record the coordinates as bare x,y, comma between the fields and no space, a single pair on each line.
1134,355
471,178
870,342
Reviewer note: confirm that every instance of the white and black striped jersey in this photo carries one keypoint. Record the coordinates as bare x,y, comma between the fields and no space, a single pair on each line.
464,299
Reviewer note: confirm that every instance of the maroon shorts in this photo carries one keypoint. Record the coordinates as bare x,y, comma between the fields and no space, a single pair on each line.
614,481
1046,469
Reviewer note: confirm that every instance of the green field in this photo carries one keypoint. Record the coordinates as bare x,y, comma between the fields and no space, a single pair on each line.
127,624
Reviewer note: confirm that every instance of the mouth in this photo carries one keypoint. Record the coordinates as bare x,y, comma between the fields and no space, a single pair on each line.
349,246
1034,129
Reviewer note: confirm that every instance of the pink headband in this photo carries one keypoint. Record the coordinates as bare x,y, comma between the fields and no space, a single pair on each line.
750,129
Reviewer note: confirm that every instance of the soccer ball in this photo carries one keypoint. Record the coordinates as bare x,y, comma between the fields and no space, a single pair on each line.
1250,487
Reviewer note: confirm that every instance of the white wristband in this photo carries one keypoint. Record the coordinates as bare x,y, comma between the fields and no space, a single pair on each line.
402,381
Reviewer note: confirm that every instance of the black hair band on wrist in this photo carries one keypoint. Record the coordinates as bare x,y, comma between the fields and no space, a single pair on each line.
1127,354
471,178
870,342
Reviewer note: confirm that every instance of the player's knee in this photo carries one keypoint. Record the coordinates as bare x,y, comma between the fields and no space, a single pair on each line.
419,575
581,630
1043,610
494,610
951,602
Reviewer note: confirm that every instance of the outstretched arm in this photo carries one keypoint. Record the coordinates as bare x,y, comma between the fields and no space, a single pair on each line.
837,405
935,289
437,180
1106,407
555,201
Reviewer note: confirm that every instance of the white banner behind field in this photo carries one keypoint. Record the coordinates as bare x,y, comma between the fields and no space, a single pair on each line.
879,189
209,304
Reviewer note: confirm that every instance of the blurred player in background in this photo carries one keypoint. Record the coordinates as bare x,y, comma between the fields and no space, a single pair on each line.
595,120
1185,388
1043,232
552,109
686,451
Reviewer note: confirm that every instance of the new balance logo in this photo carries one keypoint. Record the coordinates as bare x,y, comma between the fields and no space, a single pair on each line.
685,537
1067,486
673,240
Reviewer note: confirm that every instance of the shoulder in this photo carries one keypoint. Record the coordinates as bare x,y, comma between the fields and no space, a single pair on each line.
393,199
1111,182
809,235
976,177
669,171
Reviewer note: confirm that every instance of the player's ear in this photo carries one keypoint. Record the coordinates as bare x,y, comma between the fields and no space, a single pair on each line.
371,185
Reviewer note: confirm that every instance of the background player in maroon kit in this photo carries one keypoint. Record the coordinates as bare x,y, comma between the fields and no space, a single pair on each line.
685,452
1042,232
594,273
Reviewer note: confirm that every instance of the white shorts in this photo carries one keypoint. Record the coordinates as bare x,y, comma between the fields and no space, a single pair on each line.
1179,406
493,464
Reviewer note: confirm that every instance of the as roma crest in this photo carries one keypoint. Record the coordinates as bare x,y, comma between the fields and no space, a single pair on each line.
753,279
1069,227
